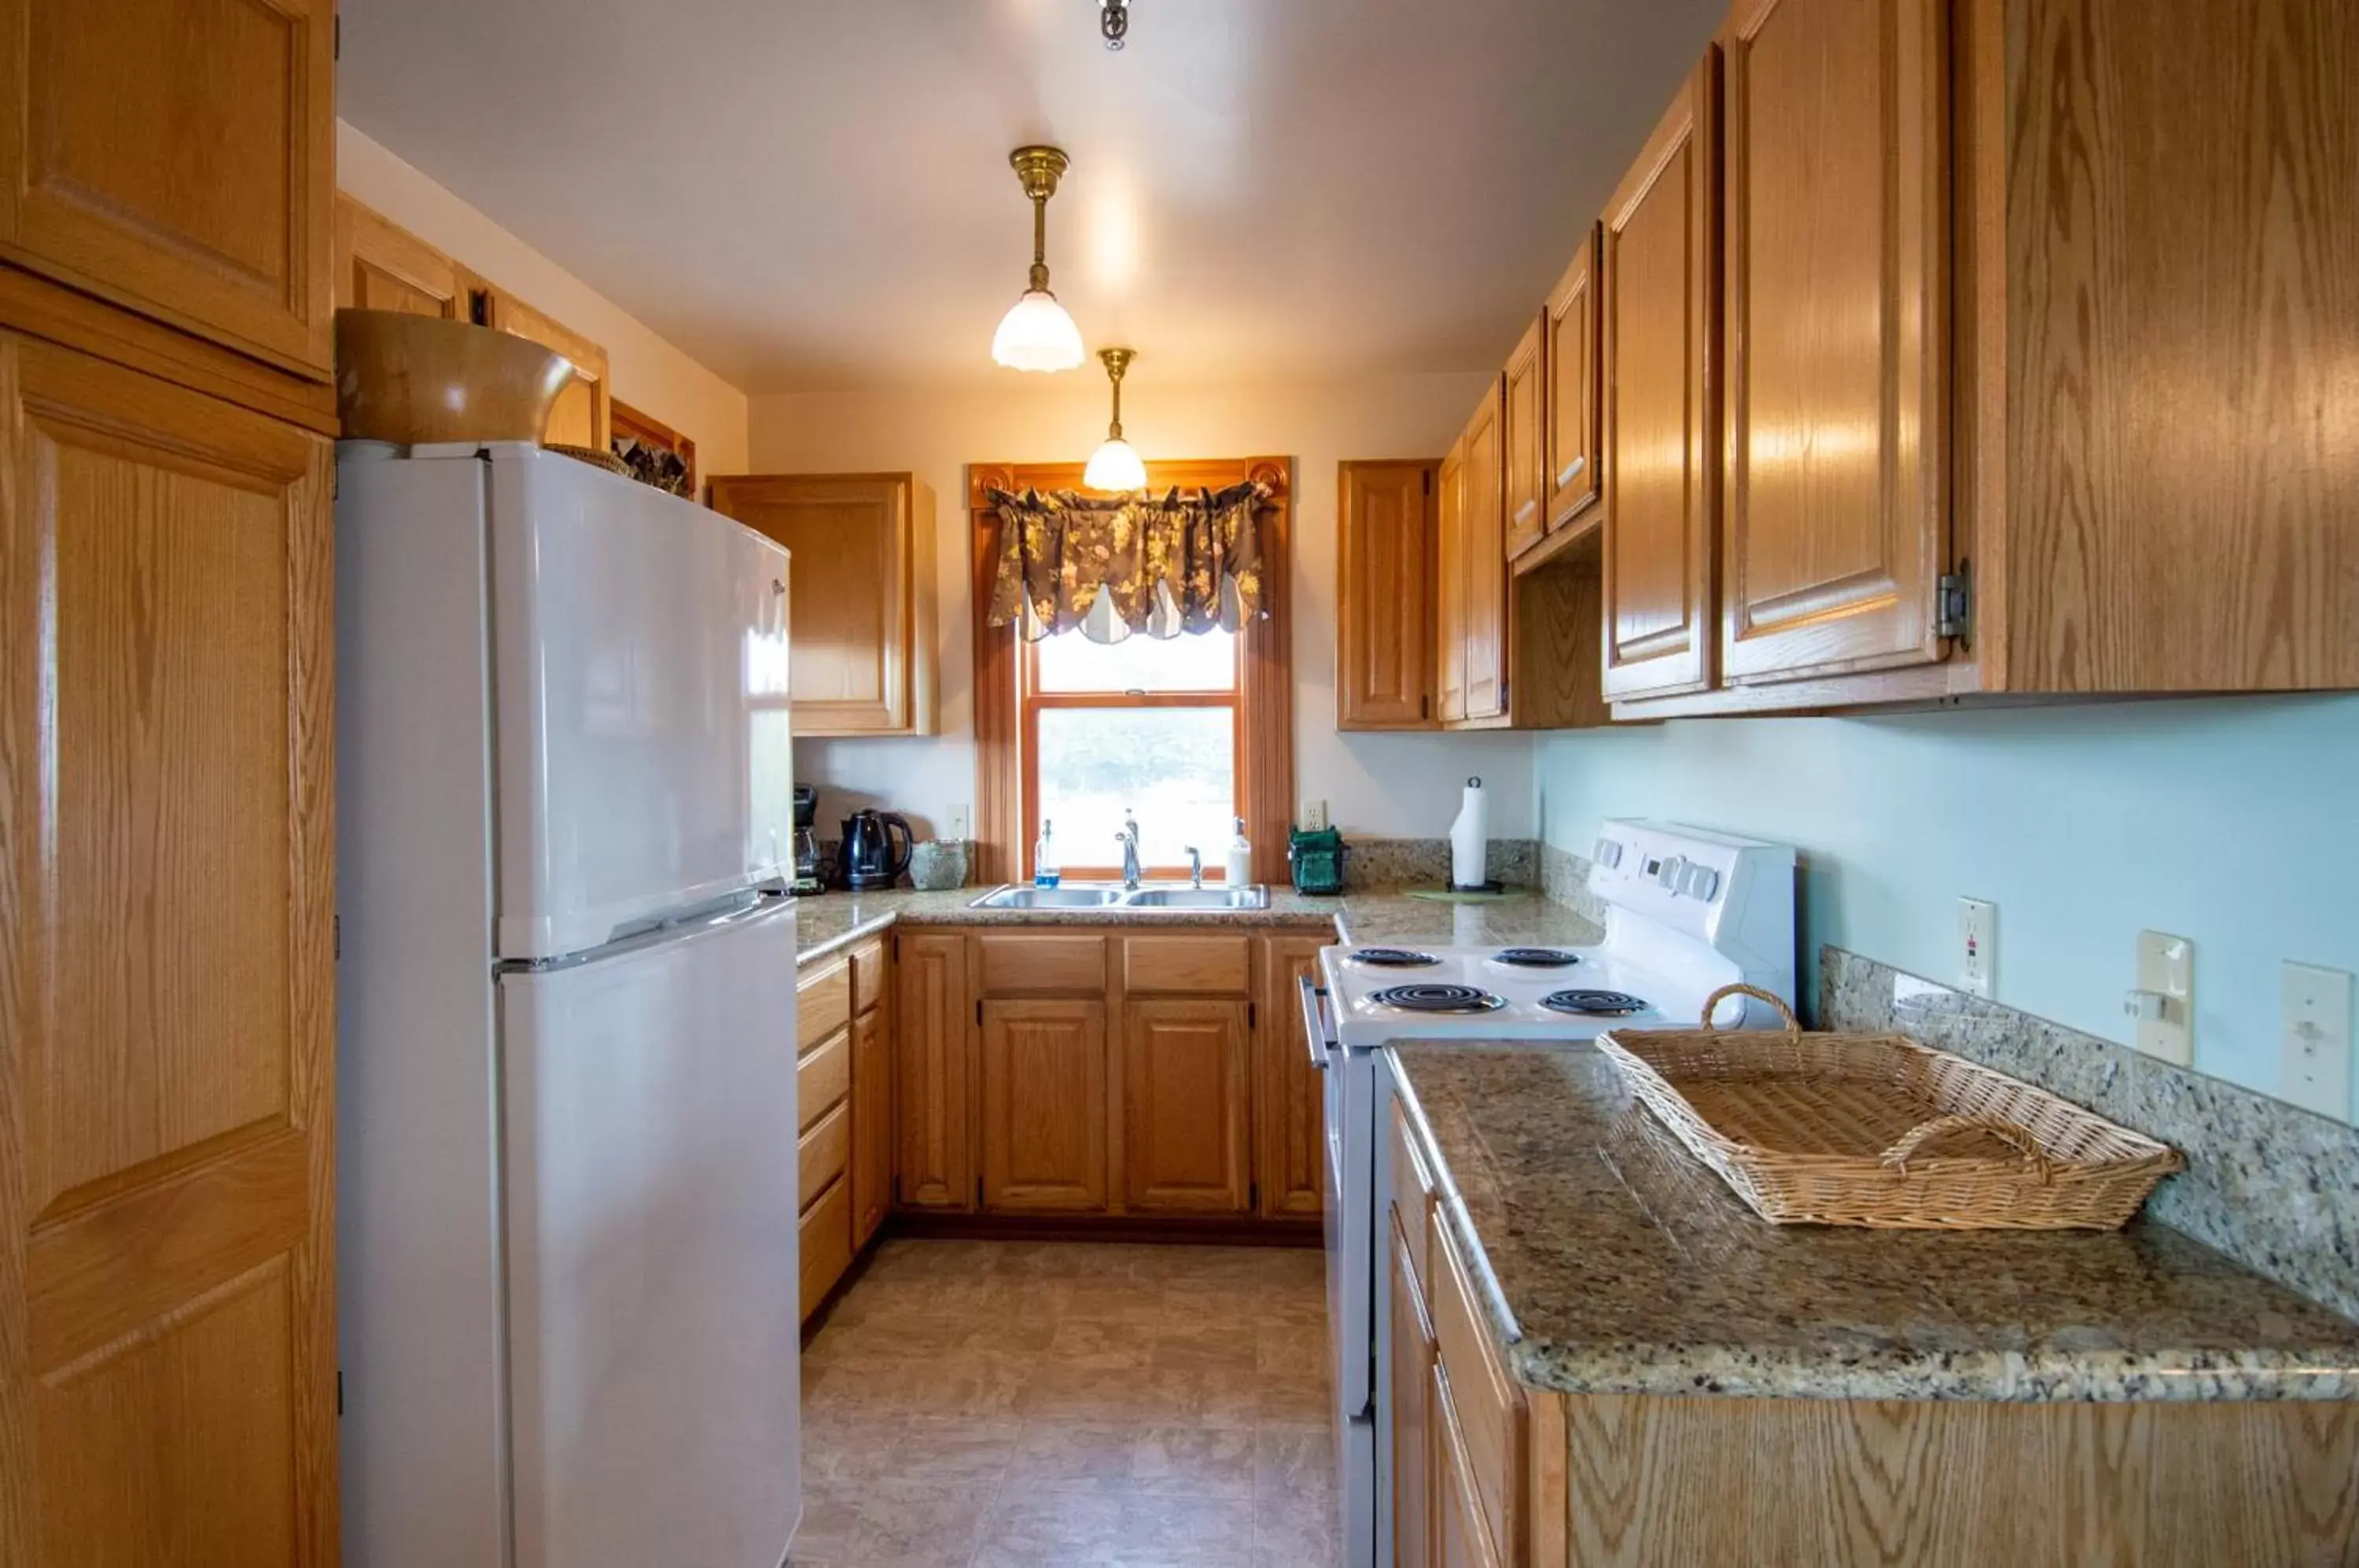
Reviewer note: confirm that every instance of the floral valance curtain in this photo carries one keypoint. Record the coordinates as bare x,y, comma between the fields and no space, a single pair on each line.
1185,561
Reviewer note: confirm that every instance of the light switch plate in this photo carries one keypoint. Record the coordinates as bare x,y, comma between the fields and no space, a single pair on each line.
2318,1039
958,822
2166,966
1977,946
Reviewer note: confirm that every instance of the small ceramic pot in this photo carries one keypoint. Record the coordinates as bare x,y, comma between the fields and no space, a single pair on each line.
938,864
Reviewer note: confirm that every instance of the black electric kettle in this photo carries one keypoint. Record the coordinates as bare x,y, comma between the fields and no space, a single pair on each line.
870,859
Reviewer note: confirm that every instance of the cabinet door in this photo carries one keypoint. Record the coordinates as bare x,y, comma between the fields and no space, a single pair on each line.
1572,413
1486,562
382,266
1836,523
1662,454
168,1381
1186,1107
178,157
1289,1091
581,415
1385,598
1449,598
1409,1426
1527,485
860,595
1460,1537
1043,1069
872,1123
930,1103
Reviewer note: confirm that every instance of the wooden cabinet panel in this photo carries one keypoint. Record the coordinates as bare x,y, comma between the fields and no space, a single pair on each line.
166,966
932,1050
1450,596
872,1123
1570,460
1662,453
1460,1537
823,1155
861,604
870,972
1486,1404
1835,523
1289,1091
822,1000
1031,964
1486,562
1409,1426
1525,520
1043,1072
383,267
1385,597
1411,1197
822,1078
826,1238
1196,965
581,415
178,157
1186,1107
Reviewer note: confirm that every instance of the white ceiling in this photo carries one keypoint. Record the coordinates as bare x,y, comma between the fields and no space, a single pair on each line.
808,195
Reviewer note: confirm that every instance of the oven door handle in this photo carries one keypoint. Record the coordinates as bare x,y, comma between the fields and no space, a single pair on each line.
1314,1021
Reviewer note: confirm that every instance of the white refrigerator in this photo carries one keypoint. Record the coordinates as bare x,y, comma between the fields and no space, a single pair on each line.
566,1206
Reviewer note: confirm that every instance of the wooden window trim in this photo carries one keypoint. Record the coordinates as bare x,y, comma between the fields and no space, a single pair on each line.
1264,681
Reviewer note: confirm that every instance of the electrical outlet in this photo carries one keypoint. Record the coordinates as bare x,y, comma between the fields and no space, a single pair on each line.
1314,816
2318,1039
958,822
1977,946
2164,1002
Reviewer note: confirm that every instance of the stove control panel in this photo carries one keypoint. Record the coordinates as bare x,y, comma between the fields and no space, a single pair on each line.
1736,894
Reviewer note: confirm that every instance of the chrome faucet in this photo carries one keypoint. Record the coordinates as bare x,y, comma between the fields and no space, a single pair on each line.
1195,866
1128,839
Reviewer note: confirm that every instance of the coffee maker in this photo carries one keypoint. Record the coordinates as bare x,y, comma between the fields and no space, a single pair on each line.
807,877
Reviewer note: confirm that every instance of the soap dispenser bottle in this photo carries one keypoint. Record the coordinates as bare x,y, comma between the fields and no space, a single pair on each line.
1240,868
1044,859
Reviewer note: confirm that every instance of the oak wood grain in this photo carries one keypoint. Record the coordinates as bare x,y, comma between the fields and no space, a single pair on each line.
823,1079
823,1153
1194,965
1451,579
1484,543
933,1056
1409,1426
1572,455
826,1244
1487,1404
380,266
1187,1088
1289,1108
822,1001
1385,595
1042,1081
1524,498
1021,964
872,1122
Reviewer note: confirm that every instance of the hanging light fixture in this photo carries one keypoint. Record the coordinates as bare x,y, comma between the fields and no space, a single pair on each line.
1114,21
1037,333
1115,465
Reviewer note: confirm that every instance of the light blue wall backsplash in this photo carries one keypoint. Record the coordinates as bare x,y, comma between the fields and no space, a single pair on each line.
2233,822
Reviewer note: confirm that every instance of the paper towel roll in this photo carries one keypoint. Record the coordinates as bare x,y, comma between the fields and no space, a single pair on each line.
1470,841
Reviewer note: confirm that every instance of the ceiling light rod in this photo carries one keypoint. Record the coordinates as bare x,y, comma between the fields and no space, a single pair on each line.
1117,359
1115,465
1037,333
1039,168
1114,21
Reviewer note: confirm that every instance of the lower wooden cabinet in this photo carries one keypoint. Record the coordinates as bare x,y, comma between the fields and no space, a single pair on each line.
1410,1433
872,1123
1289,1091
931,1109
1186,1104
826,1242
1461,1540
1042,1069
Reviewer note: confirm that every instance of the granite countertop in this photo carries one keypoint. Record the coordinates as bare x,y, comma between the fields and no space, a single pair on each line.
1617,1264
827,922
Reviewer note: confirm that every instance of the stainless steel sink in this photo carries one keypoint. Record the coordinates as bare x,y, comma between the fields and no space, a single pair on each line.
1020,898
1114,900
1254,898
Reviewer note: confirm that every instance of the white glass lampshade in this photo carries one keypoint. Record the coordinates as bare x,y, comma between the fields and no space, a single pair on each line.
1036,334
1115,466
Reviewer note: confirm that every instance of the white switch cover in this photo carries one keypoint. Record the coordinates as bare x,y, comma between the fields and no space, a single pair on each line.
1314,816
956,816
1977,946
2318,1039
2166,966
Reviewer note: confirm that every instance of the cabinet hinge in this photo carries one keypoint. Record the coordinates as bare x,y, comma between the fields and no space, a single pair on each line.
1428,478
978,1010
1953,604
1253,1014
339,47
336,935
340,1390
1253,1197
896,1191
978,1192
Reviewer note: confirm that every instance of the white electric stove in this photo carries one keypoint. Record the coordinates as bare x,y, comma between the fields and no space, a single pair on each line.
1688,912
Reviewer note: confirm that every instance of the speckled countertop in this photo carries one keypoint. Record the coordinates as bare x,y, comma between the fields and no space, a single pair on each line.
831,921
1617,1264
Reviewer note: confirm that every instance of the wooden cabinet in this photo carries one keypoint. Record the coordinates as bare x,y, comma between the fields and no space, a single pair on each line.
1409,1431
872,1122
1525,492
178,158
862,605
582,414
930,1097
1459,1538
1289,1091
1450,588
1186,1106
824,1116
168,1379
1570,461
1658,307
1385,597
383,267
1042,1072
1484,628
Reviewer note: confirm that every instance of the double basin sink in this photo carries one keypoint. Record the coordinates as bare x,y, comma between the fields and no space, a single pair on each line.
1114,900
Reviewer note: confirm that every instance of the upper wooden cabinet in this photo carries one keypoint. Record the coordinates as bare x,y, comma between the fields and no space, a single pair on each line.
1527,490
1450,587
1482,625
1569,417
1658,305
1386,599
178,157
581,416
381,265
861,612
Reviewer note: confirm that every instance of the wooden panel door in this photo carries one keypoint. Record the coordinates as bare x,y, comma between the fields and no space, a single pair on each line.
168,1360
1449,594
861,589
872,1123
381,265
1526,483
1384,596
1409,1428
1662,454
1461,1537
1571,458
930,1103
1186,1106
1043,1079
178,157
581,415
1835,528
1487,561
1289,1091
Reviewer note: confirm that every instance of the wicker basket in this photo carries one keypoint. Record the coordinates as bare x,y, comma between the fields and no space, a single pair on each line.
594,458
1815,1128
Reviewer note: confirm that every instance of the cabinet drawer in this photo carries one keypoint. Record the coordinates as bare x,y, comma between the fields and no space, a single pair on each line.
822,1002
1193,963
1488,1406
826,1244
823,1079
824,1154
867,976
1034,965
1412,1198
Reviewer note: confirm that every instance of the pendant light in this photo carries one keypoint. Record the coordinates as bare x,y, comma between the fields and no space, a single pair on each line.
1115,466
1037,333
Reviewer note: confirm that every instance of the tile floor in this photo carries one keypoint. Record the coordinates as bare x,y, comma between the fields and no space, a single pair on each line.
1045,1404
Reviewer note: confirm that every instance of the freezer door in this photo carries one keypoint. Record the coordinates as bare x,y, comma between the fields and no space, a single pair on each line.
648,1119
640,673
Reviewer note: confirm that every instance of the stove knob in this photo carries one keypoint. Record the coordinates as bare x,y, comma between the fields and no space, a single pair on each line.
1667,874
1702,882
1608,853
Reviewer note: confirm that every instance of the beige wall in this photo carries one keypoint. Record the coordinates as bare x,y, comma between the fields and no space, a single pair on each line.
648,373
1405,785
